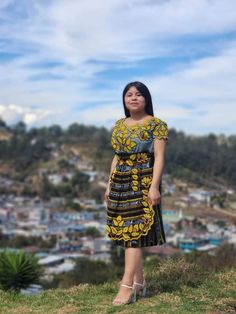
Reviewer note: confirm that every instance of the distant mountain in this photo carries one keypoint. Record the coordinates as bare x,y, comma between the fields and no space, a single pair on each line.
206,160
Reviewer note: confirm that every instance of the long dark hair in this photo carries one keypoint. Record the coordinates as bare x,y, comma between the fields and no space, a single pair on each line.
144,91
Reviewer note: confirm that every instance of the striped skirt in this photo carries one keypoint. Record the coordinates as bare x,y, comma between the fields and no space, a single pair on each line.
131,220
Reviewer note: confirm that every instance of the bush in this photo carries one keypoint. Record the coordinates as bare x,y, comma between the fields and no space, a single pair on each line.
170,274
151,262
87,271
223,257
18,270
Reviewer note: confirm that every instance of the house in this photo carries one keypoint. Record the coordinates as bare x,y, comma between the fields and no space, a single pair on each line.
201,243
189,244
66,245
76,228
181,186
217,239
92,175
96,245
172,215
202,196
4,215
55,178
55,264
33,289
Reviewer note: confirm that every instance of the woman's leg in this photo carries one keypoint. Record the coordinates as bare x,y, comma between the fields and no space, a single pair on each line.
138,275
133,264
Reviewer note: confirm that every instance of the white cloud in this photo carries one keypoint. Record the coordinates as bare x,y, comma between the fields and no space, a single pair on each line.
14,113
198,98
117,34
118,30
206,88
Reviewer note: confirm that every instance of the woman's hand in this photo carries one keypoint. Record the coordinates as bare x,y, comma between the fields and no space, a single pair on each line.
107,193
154,196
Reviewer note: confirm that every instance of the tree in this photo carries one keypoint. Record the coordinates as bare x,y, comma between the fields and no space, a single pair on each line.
55,130
72,205
47,189
2,123
20,128
92,231
81,180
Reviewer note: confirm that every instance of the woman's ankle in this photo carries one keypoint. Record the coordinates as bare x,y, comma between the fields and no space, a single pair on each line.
139,279
127,280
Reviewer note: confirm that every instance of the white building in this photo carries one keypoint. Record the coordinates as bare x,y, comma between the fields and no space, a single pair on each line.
201,196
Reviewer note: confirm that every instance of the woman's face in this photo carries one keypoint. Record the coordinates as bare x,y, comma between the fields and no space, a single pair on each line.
134,101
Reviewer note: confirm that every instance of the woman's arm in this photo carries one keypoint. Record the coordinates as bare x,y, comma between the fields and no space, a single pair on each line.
113,165
158,167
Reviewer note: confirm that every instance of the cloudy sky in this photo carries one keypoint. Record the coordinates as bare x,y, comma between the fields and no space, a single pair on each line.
68,61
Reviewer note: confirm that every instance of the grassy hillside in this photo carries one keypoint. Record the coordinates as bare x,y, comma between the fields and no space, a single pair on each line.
173,288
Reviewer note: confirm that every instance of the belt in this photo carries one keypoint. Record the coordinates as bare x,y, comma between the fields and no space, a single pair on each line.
124,154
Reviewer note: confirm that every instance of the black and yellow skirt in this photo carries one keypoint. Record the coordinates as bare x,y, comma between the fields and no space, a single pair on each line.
131,220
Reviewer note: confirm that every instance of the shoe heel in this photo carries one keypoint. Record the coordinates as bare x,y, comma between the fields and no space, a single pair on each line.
144,291
134,297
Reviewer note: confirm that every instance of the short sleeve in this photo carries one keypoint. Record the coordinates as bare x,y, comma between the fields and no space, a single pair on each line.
114,132
116,124
160,130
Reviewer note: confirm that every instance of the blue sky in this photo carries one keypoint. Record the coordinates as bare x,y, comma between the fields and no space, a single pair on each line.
68,61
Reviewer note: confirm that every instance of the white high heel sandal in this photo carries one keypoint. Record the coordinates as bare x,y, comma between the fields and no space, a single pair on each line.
143,290
131,299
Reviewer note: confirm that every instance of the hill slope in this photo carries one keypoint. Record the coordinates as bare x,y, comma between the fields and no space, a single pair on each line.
217,295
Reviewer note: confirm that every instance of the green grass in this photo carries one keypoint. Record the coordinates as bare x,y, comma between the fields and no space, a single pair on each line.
215,294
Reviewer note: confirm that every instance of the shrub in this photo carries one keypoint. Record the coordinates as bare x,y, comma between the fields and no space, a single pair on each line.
87,271
18,270
170,274
223,257
151,262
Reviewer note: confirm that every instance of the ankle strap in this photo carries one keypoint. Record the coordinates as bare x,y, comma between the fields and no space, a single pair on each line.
139,284
123,285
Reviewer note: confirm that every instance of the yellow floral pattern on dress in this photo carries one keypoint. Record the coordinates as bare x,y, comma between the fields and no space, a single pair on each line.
125,138
132,176
142,157
146,181
120,231
121,139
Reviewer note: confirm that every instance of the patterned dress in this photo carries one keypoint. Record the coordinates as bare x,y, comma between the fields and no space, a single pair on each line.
131,221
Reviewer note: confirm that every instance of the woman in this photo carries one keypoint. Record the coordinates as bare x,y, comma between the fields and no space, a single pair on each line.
133,196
